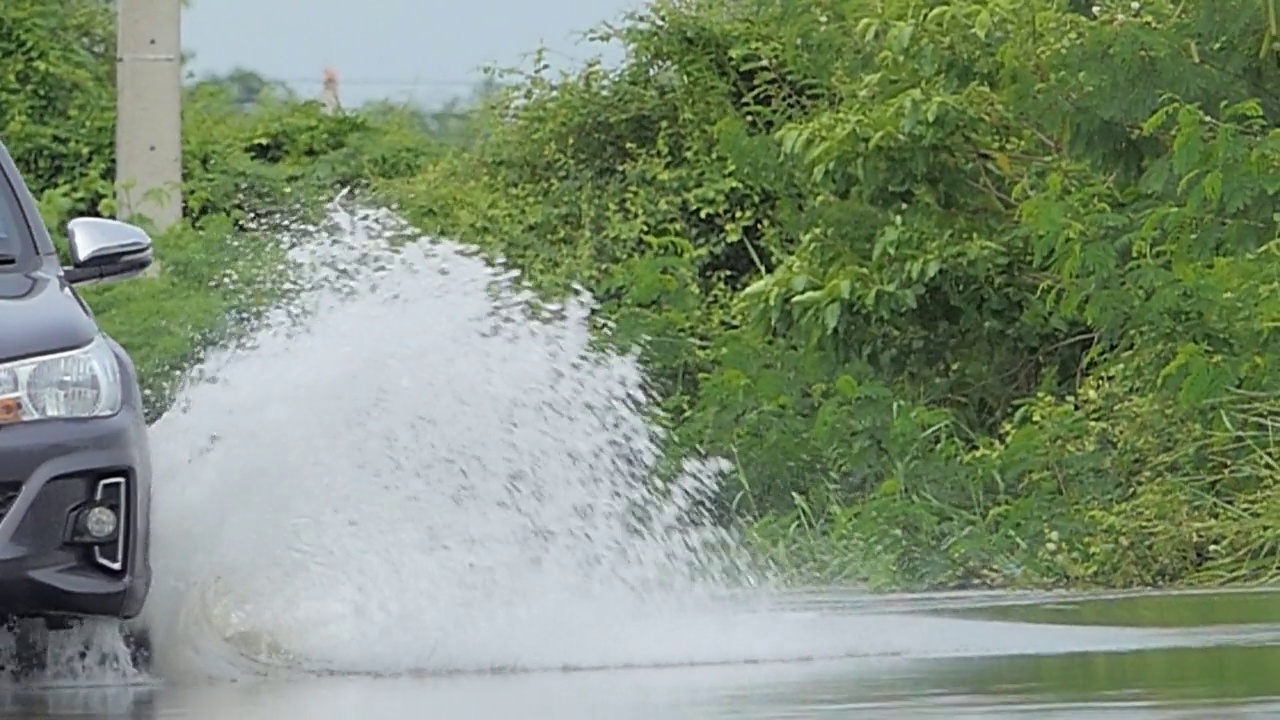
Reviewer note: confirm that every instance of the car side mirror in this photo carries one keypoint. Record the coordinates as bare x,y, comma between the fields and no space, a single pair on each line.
105,250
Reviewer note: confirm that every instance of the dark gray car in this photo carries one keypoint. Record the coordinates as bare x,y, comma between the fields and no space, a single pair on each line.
75,466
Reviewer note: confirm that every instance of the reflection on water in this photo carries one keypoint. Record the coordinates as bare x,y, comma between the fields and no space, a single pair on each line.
1170,610
1022,687
1239,679
1181,674
68,702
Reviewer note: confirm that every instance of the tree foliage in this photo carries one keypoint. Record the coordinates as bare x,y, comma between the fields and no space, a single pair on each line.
977,292
56,79
254,159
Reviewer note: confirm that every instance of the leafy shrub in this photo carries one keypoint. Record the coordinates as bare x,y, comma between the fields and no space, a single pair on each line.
974,292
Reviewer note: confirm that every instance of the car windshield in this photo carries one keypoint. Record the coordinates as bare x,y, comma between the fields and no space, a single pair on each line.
13,239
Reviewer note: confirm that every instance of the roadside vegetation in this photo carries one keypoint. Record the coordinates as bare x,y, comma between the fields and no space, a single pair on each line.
975,293
256,159
978,293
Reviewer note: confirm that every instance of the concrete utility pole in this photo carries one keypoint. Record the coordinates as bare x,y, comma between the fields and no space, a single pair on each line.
329,92
149,110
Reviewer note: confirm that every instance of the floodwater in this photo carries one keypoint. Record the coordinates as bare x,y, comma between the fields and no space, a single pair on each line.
418,493
1201,655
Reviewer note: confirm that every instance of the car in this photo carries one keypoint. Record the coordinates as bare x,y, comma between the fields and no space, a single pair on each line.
75,463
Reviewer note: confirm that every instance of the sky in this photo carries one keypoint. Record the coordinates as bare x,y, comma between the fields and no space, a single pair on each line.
423,51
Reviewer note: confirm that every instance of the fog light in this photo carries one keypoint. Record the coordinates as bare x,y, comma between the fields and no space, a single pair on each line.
100,522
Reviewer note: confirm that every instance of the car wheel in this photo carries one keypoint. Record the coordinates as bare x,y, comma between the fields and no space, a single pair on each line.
31,648
138,641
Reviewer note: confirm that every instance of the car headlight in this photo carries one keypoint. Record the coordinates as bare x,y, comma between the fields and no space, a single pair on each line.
81,383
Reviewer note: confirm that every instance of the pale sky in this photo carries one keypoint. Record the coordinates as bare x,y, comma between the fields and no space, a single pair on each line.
422,50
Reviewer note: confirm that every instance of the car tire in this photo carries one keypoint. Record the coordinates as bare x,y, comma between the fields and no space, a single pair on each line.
137,640
31,648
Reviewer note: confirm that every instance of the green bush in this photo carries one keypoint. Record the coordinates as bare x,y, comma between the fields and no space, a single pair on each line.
57,78
976,292
251,165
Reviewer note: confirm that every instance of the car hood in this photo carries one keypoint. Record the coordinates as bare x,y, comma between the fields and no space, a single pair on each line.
39,315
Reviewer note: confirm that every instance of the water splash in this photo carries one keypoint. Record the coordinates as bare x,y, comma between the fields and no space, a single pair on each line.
405,470
89,653
415,467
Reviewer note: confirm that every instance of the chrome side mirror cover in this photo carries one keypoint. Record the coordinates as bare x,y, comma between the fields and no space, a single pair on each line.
104,250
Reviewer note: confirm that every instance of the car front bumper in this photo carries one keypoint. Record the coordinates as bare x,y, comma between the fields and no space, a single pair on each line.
49,471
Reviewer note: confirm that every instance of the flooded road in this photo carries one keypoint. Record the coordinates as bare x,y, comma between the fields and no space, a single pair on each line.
962,656
418,493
